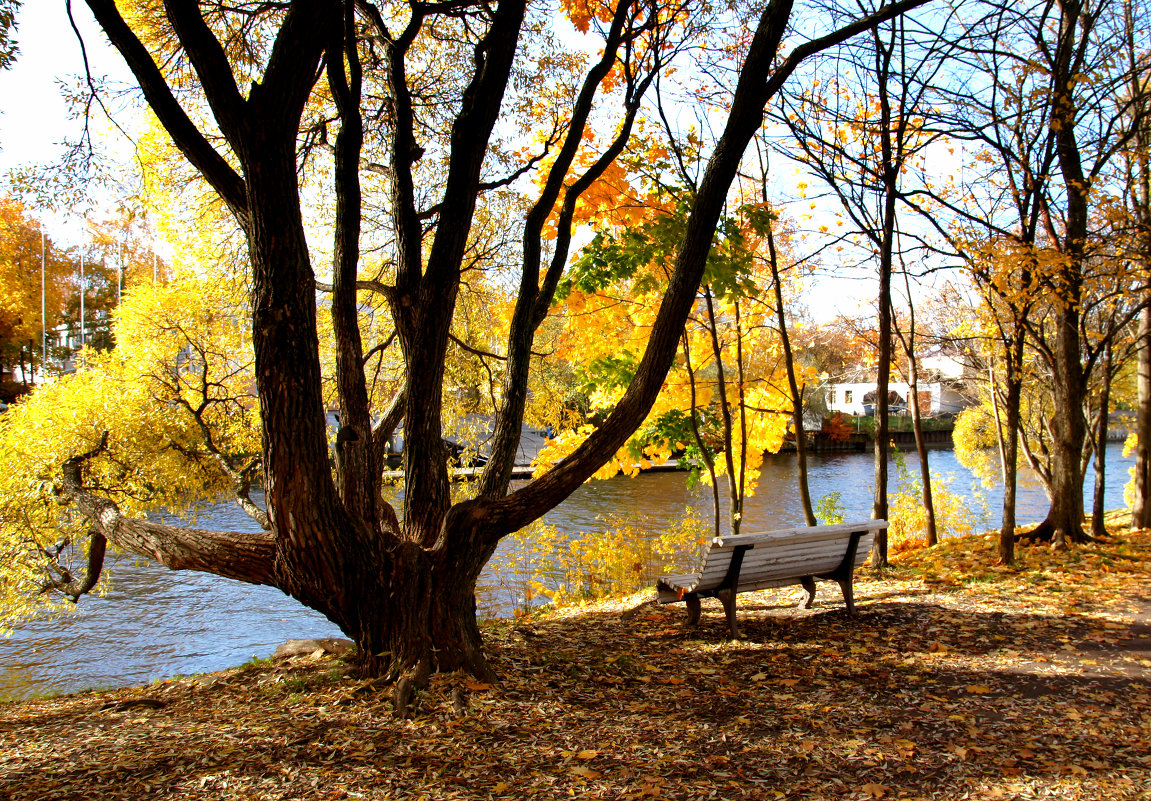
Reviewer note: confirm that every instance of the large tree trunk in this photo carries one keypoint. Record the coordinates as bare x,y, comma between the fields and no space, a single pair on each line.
1065,519
420,608
1064,523
357,456
1141,508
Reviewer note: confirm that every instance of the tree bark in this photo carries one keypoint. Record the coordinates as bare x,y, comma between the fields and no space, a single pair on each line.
1141,508
1098,526
1068,426
247,557
357,457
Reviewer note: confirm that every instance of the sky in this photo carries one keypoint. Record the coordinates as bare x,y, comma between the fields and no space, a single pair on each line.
34,117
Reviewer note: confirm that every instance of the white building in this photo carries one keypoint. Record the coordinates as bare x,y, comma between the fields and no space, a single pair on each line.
858,398
942,380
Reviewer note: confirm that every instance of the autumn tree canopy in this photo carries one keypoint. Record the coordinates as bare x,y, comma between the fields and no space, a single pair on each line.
425,143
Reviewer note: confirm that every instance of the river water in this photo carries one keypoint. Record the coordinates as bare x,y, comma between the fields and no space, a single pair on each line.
156,623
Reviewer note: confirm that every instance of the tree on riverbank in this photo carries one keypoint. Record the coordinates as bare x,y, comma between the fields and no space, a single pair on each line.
860,128
424,86
1045,129
727,399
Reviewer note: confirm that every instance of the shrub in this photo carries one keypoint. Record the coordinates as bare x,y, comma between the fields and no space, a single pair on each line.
545,565
829,510
954,516
836,428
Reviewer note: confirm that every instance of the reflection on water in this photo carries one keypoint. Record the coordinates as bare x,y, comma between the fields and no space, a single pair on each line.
156,623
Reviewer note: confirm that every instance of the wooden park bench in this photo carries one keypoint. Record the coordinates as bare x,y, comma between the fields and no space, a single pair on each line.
749,562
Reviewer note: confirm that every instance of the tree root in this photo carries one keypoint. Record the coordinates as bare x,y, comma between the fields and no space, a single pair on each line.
1045,532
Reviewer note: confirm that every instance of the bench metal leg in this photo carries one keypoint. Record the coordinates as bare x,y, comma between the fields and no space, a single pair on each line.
727,598
844,573
808,598
848,595
693,609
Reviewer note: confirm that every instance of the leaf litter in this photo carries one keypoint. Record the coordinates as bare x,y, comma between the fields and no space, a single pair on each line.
957,680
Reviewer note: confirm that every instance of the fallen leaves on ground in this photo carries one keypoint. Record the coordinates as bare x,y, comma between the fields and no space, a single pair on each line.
957,680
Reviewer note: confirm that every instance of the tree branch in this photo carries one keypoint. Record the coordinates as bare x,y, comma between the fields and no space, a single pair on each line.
212,68
66,584
186,136
239,555
386,425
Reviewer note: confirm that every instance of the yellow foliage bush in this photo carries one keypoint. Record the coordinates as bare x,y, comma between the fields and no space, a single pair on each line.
541,564
954,515
179,347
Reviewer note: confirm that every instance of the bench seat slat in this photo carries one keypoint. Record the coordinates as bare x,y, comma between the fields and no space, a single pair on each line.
787,558
795,567
814,549
772,559
834,529
793,562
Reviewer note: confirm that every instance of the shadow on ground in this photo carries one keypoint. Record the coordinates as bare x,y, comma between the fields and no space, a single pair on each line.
920,696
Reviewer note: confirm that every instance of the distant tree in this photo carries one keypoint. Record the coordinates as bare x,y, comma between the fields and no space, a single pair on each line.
1030,223
860,127
33,283
909,338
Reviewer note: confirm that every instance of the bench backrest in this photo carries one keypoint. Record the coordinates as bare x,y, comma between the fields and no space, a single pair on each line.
774,557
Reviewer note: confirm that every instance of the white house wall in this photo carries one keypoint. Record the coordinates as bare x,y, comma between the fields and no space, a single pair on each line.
848,398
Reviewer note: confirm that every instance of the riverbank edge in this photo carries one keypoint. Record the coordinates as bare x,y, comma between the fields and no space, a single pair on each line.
924,563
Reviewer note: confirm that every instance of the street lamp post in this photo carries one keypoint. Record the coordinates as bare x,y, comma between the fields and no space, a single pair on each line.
82,293
43,310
